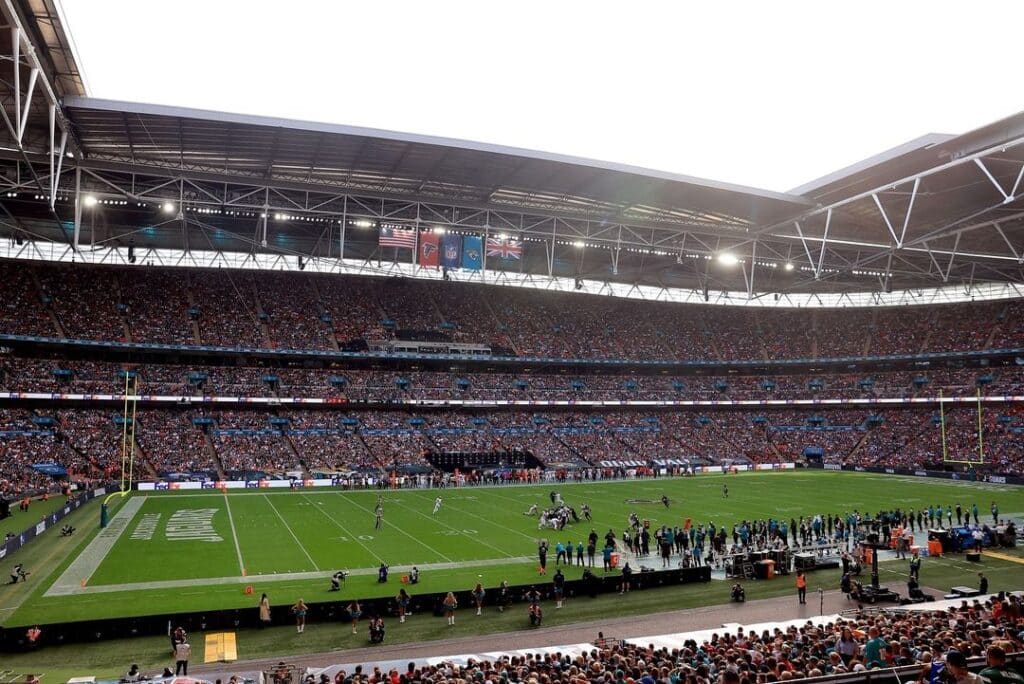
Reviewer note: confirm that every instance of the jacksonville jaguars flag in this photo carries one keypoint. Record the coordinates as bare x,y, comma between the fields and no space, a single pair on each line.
472,253
451,251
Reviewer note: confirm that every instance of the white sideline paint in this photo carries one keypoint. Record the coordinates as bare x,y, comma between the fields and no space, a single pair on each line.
76,590
87,562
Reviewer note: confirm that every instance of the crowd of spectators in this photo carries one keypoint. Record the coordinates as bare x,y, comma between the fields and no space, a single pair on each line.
169,440
21,374
309,311
939,645
257,449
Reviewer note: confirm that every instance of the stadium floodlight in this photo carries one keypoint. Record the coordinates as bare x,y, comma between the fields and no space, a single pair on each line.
578,244
502,236
789,266
168,207
91,201
439,230
728,259
362,223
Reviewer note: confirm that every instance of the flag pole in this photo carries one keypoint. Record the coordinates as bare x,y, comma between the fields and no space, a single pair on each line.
483,257
416,245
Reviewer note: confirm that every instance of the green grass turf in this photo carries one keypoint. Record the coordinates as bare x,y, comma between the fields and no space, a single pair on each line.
319,531
19,521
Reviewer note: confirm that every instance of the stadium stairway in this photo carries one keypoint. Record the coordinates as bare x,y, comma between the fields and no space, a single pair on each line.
197,337
321,310
146,463
933,320
814,334
126,329
211,452
997,328
869,336
48,308
856,447
299,460
261,316
507,339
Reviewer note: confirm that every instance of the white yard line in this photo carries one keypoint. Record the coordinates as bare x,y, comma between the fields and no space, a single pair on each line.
421,543
475,539
353,537
276,577
86,563
288,527
234,535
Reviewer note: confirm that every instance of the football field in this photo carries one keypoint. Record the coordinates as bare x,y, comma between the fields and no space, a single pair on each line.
181,551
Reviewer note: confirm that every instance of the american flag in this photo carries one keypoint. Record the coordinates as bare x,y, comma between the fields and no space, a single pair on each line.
397,237
504,249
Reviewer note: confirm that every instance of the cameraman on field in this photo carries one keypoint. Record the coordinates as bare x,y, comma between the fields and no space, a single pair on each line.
18,573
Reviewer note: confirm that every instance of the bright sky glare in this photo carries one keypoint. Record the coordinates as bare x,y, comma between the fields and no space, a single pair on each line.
766,94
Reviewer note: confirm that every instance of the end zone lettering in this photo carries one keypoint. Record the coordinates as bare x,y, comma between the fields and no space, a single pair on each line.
193,524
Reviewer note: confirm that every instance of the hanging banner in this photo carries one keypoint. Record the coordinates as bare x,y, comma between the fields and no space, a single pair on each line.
451,251
430,250
472,253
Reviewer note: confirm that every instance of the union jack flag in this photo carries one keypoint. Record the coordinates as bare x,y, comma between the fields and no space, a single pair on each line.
504,249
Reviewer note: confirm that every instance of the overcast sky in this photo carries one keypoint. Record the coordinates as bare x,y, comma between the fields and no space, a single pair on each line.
767,94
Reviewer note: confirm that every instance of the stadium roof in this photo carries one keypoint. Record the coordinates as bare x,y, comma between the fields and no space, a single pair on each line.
936,211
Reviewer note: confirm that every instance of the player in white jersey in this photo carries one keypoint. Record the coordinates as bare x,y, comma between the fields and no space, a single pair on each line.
437,505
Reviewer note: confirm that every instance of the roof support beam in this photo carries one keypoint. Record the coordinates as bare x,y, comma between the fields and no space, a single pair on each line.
1016,183
753,265
910,209
56,155
952,257
824,244
803,240
888,224
1002,147
988,174
1013,250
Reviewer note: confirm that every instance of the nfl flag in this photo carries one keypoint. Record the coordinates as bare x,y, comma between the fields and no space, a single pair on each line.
430,250
397,237
451,251
504,249
472,253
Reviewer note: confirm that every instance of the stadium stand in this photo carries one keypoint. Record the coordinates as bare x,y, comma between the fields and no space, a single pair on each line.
291,310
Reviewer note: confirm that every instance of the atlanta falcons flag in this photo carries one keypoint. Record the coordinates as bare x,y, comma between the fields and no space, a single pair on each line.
504,249
397,237
430,250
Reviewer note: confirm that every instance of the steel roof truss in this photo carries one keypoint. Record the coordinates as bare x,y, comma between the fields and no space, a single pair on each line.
1013,250
988,174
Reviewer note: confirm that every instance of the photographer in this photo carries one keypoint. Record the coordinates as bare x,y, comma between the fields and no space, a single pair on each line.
18,573
336,580
382,573
739,594
376,630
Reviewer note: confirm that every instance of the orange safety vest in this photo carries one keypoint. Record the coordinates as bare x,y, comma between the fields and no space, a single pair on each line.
801,582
